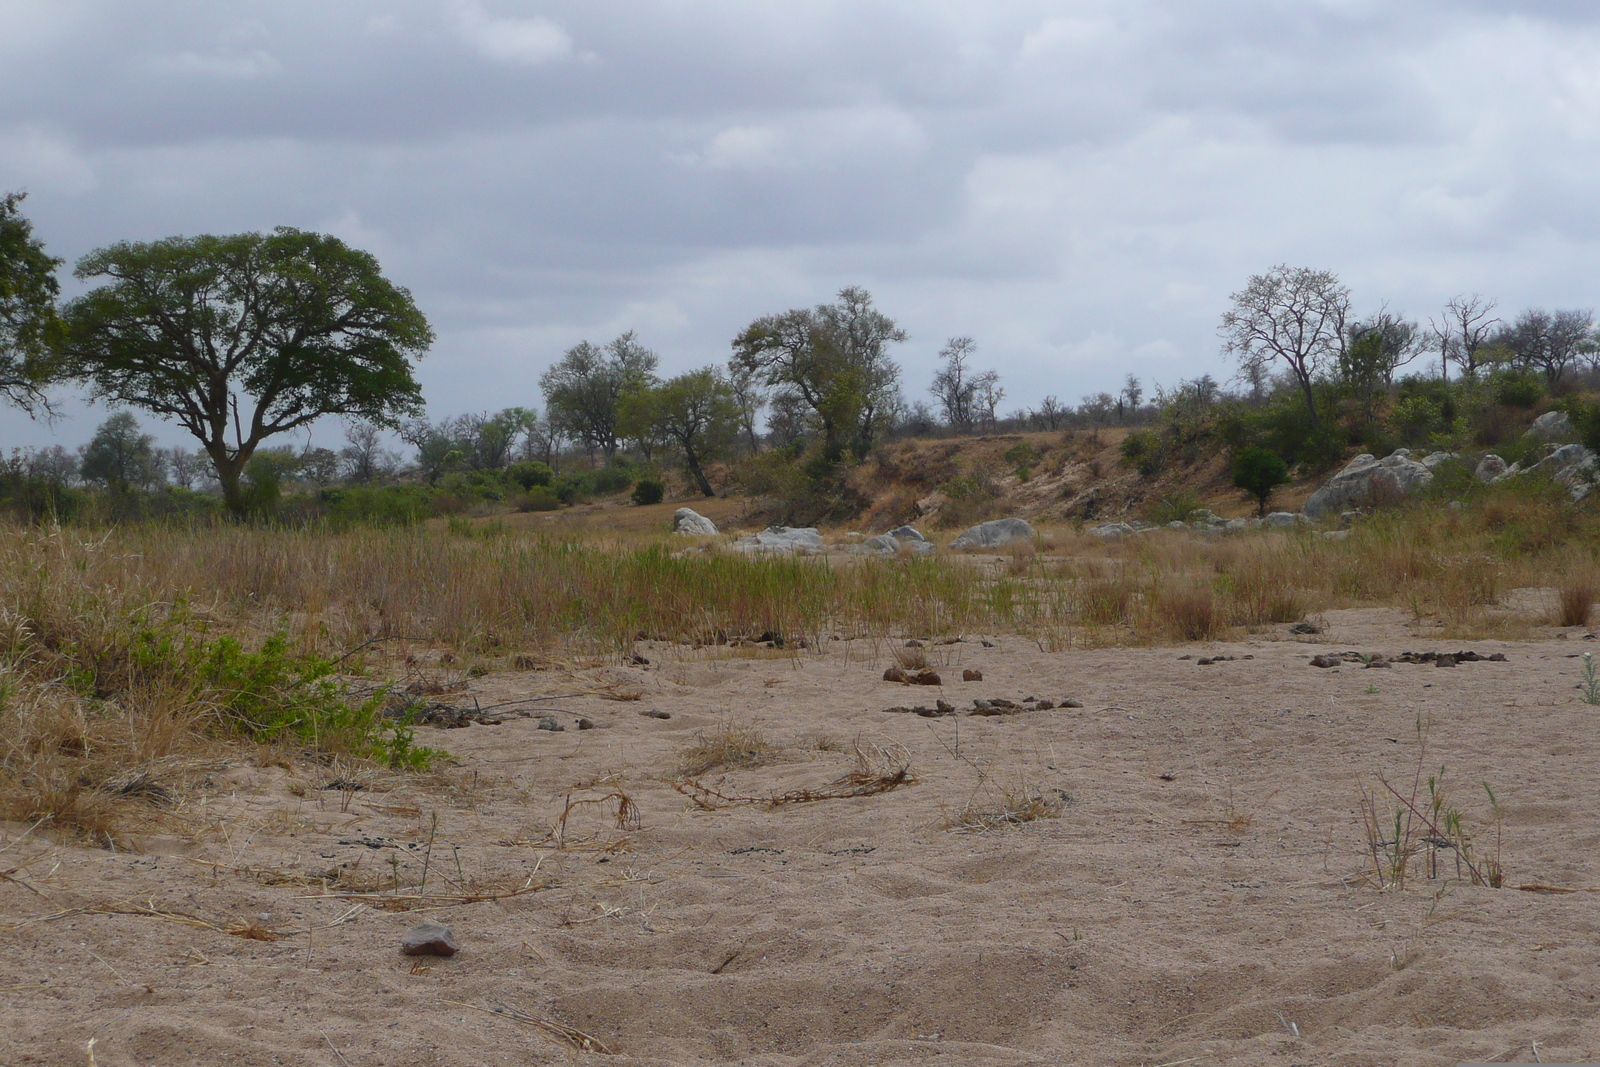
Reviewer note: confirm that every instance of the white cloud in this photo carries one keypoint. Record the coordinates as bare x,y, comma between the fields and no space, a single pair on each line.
531,41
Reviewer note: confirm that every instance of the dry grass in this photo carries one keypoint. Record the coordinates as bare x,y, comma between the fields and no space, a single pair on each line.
1013,808
877,770
1576,597
732,744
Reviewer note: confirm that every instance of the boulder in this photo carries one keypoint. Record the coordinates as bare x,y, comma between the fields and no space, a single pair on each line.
782,541
1110,531
1365,479
689,521
1489,468
907,533
1571,466
1279,520
1437,459
882,545
1551,426
1239,524
994,534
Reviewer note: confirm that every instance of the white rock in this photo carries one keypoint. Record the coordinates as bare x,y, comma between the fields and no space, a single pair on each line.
1434,461
1489,468
994,534
689,521
1279,520
1572,466
906,533
1551,426
1110,531
1366,479
781,541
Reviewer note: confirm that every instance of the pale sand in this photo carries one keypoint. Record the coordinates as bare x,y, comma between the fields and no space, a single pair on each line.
1135,928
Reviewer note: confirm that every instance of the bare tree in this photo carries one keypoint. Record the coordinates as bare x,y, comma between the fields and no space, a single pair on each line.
953,386
1097,409
751,395
1128,399
1463,330
1293,314
1050,414
363,459
987,395
1550,341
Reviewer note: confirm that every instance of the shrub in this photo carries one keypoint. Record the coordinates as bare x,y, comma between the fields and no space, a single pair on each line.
539,498
649,491
1144,450
1258,472
528,474
372,505
1517,389
613,479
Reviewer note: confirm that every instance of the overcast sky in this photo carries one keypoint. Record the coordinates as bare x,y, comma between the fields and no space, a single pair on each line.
1078,186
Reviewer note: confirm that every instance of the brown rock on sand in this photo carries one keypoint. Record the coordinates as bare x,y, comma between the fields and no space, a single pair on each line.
429,939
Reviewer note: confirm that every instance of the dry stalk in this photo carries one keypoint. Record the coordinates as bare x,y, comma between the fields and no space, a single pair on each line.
569,1035
880,773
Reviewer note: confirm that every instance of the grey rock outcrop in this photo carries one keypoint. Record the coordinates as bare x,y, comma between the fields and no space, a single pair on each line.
1489,468
689,521
994,534
907,533
1438,459
1366,479
1110,531
1279,520
1551,426
781,541
1571,466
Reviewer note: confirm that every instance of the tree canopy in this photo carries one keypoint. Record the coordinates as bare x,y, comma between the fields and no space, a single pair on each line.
583,388
833,359
1293,314
121,456
241,337
697,412
28,322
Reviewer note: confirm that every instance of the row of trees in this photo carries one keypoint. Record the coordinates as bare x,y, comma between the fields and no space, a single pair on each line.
1300,320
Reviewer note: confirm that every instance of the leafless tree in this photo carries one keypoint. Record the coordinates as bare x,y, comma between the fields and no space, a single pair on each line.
954,386
1050,414
1552,341
1462,331
987,395
1293,314
1097,409
1128,399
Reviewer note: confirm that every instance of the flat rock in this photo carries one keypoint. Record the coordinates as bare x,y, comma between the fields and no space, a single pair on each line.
994,534
691,522
429,939
906,533
782,541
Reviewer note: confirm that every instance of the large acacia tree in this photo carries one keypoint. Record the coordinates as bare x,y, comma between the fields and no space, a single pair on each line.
28,291
243,337
832,359
1293,314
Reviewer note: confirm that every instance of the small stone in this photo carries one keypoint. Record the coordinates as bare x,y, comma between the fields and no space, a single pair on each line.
1378,662
1305,626
971,675
548,722
897,674
1445,661
1071,703
913,643
1045,705
429,939
654,714
1497,657
1204,661
1325,661
586,724
926,678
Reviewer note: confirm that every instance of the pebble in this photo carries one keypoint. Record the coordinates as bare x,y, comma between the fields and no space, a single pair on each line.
970,675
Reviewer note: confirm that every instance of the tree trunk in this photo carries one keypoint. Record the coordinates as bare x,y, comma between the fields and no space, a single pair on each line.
1311,403
692,461
229,472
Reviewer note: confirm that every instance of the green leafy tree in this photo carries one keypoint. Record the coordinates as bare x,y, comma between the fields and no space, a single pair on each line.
1258,471
698,412
242,337
122,457
833,359
583,388
28,321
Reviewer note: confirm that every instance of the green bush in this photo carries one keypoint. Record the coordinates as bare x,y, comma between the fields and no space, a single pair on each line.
539,498
1258,472
1517,389
1144,449
613,479
529,473
649,491
573,488
376,505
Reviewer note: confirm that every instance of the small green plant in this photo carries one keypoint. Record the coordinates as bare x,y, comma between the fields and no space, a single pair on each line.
1425,823
1258,471
648,491
1145,451
1591,680
1371,690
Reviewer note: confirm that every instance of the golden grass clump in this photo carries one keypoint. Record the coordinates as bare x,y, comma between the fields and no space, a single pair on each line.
732,744
1013,808
1576,597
